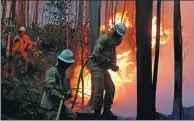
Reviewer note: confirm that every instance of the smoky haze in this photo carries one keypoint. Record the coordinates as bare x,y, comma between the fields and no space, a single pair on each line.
126,106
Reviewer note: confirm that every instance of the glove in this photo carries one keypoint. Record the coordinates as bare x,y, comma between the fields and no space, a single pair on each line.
62,97
66,96
69,94
115,68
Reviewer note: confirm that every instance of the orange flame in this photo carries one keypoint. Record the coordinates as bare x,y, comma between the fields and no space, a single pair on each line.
164,33
123,60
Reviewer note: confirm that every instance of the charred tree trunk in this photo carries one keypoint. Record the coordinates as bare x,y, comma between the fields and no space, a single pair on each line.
145,107
157,50
94,34
177,105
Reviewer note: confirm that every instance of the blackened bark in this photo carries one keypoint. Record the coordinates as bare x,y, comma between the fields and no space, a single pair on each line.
177,105
145,107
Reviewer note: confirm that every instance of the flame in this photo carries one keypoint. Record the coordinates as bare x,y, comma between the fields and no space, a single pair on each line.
118,19
124,61
164,33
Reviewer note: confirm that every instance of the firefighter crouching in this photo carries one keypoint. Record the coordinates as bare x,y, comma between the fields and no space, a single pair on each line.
57,87
22,44
104,54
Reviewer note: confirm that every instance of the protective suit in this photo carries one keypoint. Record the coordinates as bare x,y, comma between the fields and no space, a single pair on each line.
57,87
104,54
99,71
21,44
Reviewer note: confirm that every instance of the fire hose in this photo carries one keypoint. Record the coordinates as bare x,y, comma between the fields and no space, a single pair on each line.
79,79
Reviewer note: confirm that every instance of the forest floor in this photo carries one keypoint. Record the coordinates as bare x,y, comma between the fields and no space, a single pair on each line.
21,95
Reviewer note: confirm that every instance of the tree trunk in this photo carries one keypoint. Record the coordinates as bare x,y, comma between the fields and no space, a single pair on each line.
24,13
4,15
87,26
177,105
157,50
106,17
28,22
145,107
115,12
80,38
94,34
13,11
123,11
4,8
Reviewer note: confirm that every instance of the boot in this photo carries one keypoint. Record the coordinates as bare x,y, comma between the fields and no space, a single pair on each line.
107,113
97,114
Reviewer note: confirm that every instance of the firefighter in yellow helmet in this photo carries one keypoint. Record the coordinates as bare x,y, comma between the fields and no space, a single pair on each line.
104,54
57,87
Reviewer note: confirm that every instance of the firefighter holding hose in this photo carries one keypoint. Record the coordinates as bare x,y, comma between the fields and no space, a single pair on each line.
104,58
57,88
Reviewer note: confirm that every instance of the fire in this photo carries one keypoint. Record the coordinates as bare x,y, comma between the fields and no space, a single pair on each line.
164,33
118,19
124,61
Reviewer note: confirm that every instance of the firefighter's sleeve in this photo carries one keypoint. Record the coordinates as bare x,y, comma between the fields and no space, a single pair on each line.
97,52
50,86
67,89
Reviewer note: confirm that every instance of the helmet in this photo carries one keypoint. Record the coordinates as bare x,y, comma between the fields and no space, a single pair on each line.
22,28
120,28
67,56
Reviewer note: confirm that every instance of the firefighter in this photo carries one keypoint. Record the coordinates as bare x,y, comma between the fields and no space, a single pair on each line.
22,44
57,87
104,54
